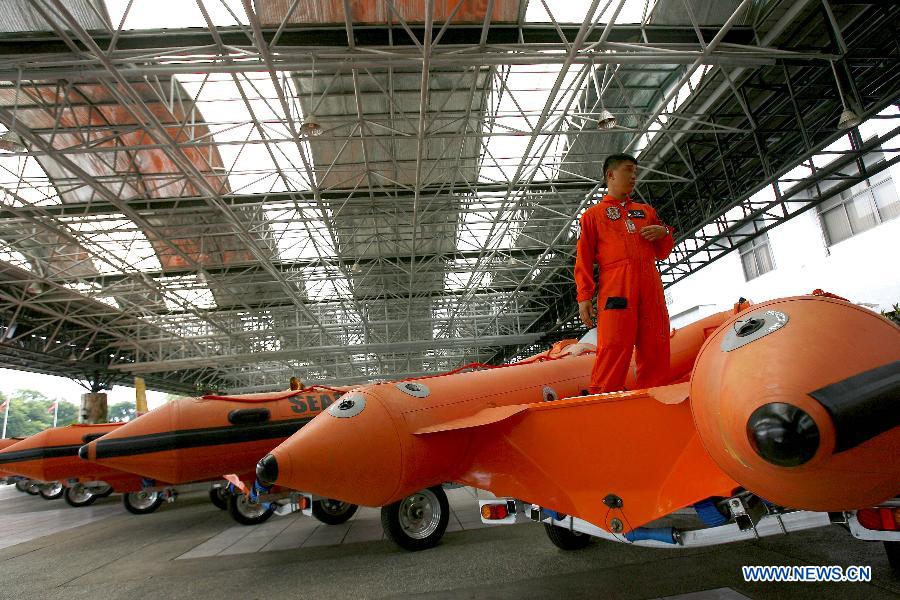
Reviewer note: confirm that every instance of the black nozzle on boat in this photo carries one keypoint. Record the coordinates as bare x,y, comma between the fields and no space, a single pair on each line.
267,470
783,434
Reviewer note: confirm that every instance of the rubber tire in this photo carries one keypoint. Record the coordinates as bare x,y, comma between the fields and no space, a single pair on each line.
31,488
331,518
135,510
567,540
20,485
56,496
67,496
234,503
893,554
109,490
219,497
390,522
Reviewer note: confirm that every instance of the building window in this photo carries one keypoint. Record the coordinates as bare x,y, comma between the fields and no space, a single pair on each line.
756,257
860,208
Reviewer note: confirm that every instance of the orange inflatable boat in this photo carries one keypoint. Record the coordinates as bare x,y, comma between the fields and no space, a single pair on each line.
4,444
204,438
792,399
214,437
384,442
52,455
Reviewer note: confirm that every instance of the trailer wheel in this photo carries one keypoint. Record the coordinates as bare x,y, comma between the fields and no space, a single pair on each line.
893,554
32,488
565,539
21,484
52,491
78,495
103,492
143,502
418,521
219,497
333,512
246,512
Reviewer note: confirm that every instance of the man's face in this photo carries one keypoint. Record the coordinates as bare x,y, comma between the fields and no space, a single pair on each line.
622,178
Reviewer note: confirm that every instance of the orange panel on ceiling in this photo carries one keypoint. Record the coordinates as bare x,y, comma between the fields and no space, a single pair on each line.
378,12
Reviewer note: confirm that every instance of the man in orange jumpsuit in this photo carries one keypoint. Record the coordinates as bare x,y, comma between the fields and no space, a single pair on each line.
625,238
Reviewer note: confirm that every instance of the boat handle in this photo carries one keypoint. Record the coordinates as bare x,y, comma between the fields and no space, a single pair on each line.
244,416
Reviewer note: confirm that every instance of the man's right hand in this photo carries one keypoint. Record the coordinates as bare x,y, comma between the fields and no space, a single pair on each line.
587,312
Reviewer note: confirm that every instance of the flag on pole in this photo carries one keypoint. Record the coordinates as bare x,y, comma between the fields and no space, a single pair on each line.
5,408
54,408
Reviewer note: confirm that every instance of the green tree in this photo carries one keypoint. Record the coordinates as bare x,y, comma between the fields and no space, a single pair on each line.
26,394
121,412
29,413
893,314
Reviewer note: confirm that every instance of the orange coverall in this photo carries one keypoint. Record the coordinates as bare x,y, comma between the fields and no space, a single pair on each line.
631,306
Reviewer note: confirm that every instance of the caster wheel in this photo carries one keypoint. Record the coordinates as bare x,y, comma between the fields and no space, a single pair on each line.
246,512
52,491
219,497
565,539
418,521
143,502
78,495
333,512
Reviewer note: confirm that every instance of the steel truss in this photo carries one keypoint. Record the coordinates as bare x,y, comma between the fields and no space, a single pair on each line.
410,237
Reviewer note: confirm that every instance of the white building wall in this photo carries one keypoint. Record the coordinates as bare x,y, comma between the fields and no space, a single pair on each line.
863,269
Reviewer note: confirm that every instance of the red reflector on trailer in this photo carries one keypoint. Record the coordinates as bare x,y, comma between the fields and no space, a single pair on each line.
304,502
494,512
879,519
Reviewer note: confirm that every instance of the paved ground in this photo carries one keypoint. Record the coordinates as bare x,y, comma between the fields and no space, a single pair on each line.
192,550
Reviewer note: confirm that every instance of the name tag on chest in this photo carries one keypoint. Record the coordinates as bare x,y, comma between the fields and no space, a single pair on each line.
637,214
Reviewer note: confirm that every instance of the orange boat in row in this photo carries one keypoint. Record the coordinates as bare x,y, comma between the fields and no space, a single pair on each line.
4,444
792,400
393,444
205,438
23,484
51,457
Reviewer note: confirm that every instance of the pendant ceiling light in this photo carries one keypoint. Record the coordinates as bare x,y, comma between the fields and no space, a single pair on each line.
11,142
848,118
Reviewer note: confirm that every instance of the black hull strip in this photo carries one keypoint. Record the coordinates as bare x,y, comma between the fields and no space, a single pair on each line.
38,453
196,438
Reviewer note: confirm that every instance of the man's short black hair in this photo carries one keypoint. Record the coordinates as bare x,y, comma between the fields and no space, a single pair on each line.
614,160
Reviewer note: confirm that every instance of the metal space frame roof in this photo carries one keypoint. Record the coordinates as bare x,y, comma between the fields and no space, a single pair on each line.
169,213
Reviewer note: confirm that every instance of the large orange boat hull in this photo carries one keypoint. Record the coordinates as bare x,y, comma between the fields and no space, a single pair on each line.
403,440
52,455
629,456
204,438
